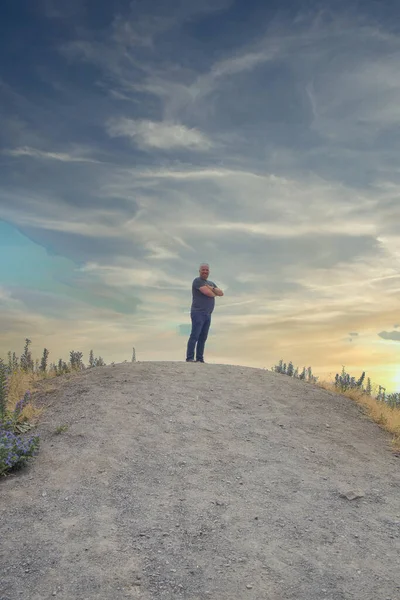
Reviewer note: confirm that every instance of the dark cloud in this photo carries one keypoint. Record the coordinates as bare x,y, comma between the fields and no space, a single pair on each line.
82,248
84,298
47,303
390,335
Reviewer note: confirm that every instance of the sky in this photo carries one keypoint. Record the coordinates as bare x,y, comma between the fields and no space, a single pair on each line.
139,139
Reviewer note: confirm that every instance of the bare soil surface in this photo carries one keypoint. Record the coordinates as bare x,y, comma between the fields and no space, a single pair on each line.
197,481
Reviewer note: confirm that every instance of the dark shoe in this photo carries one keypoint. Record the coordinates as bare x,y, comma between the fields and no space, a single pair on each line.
190,360
199,360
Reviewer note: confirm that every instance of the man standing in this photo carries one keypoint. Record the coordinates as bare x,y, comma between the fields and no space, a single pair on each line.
203,294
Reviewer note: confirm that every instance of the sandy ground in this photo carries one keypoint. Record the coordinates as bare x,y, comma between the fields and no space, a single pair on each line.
197,481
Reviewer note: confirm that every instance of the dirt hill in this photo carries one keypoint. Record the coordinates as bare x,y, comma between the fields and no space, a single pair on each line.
194,481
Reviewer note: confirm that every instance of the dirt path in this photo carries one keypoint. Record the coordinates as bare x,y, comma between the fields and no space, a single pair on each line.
196,481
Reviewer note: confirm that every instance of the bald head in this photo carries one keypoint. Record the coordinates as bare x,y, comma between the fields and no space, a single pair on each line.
204,270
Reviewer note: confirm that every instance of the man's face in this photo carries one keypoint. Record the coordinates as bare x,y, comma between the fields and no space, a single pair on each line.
204,272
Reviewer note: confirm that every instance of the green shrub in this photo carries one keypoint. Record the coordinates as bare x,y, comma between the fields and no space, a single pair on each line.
291,371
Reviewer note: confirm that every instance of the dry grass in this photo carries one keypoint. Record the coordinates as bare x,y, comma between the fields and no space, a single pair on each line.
21,381
31,413
386,417
18,384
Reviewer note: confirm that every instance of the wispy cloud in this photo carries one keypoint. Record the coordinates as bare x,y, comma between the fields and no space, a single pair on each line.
161,135
41,154
123,276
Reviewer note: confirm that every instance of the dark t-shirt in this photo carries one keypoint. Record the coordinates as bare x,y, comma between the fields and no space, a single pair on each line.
201,302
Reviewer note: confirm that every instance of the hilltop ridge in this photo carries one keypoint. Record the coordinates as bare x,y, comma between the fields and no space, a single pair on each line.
195,481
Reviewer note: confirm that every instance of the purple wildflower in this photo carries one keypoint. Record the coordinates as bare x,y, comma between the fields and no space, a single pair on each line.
21,404
15,450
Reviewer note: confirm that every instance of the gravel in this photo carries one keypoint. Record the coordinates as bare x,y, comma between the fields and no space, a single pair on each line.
199,481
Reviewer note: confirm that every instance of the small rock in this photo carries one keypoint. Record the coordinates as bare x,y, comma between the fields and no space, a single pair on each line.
352,494
249,586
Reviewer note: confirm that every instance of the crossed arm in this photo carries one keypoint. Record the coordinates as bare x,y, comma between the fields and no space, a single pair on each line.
209,290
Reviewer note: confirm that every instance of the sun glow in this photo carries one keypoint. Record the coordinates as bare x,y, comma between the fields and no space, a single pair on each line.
396,381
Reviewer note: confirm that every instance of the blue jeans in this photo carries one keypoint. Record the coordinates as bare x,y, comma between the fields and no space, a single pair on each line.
200,325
